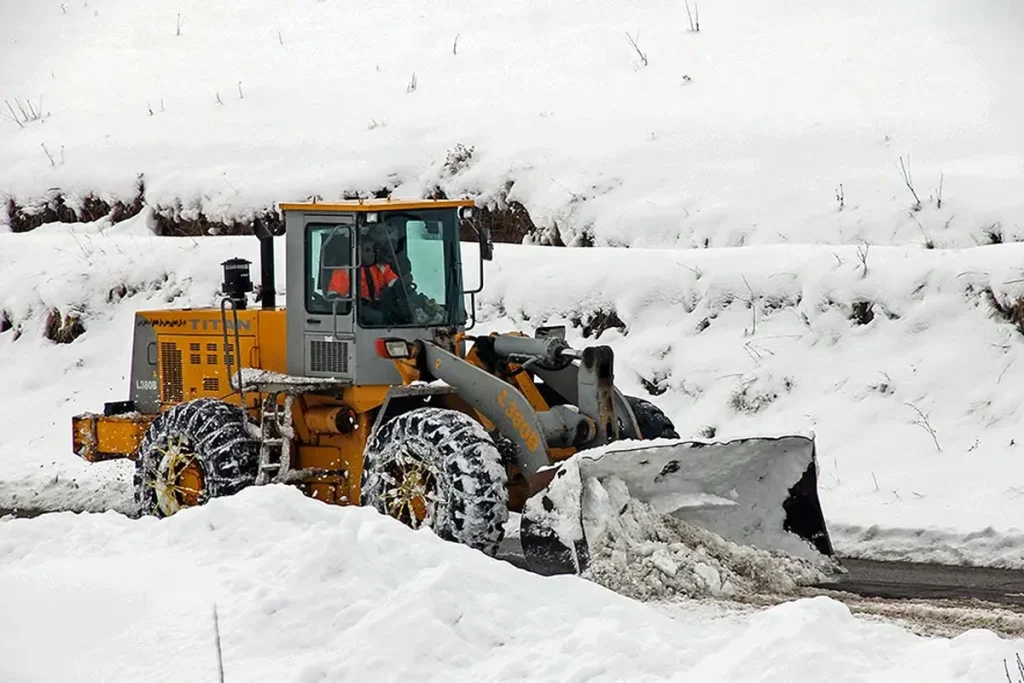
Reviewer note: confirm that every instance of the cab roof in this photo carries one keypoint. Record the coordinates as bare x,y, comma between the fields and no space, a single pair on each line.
365,205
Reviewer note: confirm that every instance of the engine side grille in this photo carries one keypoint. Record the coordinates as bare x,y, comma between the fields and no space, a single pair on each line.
211,384
327,356
170,372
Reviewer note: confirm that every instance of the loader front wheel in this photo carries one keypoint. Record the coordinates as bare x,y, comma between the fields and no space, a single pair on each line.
438,468
653,422
192,453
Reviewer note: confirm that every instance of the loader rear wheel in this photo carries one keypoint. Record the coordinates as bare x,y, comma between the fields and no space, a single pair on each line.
438,468
192,453
653,422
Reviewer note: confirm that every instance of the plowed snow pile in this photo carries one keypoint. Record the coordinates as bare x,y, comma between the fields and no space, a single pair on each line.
310,593
650,556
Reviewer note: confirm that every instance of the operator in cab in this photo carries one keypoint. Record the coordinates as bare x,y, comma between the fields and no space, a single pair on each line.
374,277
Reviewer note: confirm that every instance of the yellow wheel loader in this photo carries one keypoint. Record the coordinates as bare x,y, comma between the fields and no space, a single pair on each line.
370,387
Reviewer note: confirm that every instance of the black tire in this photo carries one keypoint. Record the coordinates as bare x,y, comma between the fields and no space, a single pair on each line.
215,442
465,479
653,423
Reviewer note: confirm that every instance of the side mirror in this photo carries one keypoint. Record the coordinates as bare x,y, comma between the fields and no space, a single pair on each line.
486,246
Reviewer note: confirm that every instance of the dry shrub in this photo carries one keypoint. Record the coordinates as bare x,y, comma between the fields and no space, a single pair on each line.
862,312
175,222
63,330
54,209
458,159
596,323
508,220
585,238
754,396
1012,310
993,233
510,223
657,385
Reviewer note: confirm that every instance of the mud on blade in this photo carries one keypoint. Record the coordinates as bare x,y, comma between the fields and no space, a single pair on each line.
759,492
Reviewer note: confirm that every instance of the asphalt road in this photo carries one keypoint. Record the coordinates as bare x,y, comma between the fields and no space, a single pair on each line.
899,580
931,582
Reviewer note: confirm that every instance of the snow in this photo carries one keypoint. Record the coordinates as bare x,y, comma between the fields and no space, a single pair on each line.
739,134
309,592
887,491
736,489
689,559
753,168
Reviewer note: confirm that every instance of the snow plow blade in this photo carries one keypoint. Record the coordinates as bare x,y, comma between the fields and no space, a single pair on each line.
760,492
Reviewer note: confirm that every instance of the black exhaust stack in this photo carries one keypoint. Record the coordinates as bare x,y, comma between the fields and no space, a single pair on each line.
268,295
236,281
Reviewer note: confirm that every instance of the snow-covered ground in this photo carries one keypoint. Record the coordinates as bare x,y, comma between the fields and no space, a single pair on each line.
773,135
308,592
741,133
759,340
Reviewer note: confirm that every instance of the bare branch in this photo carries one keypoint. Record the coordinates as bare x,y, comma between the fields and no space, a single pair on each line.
929,243
753,309
938,196
48,155
180,22
455,45
905,173
14,117
694,26
636,47
220,655
862,254
924,424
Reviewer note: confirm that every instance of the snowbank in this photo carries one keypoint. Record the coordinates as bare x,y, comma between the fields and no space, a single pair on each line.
308,592
894,358
747,132
762,341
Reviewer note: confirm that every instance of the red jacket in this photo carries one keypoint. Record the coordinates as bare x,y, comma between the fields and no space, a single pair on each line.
375,278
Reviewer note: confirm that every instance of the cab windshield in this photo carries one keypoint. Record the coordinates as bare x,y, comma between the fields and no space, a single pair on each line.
407,271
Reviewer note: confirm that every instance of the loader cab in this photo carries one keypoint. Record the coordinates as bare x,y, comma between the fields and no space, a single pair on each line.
364,270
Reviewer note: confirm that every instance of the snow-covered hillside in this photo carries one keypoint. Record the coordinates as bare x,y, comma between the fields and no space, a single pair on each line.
872,351
742,132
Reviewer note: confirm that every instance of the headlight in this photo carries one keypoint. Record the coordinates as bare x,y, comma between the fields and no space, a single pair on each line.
393,348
